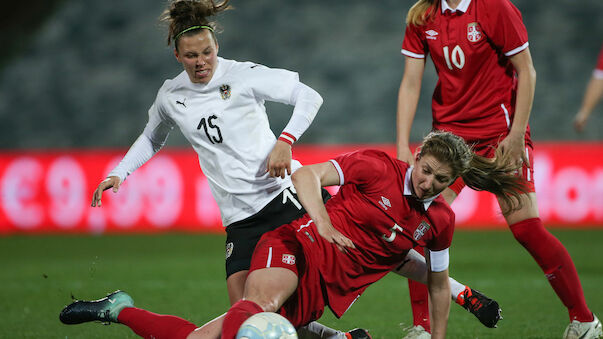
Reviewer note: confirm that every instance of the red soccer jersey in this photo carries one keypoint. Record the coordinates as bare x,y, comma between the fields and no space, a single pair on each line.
470,48
375,210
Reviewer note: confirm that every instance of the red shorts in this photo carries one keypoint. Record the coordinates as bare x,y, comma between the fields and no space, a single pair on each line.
281,248
485,149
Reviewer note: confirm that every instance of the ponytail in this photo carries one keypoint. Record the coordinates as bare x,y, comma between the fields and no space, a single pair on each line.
496,175
184,16
499,175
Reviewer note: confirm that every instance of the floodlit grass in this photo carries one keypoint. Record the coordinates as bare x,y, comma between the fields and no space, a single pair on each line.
183,274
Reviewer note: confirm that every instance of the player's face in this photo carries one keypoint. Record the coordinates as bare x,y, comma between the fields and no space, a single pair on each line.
198,54
430,177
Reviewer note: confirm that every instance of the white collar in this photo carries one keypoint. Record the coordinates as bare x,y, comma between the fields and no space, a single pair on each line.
462,7
408,191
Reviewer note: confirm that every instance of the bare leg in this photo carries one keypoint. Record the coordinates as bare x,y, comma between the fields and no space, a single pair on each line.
236,286
210,330
266,289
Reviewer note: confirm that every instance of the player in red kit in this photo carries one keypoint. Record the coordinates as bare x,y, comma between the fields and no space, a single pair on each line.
384,208
484,94
592,95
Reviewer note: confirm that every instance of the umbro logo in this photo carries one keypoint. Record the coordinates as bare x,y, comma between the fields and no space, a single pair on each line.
431,34
385,204
181,102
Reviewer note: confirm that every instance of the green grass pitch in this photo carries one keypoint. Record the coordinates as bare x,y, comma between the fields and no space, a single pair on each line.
183,274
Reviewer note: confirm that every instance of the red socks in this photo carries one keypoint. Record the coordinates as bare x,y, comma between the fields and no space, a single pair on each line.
419,301
236,316
156,326
556,263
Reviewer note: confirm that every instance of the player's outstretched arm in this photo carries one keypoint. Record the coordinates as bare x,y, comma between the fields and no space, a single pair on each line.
592,95
308,182
439,291
111,182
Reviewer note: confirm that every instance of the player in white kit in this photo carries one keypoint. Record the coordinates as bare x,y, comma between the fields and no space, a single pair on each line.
218,105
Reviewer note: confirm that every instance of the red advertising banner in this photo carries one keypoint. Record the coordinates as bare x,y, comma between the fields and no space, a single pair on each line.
50,191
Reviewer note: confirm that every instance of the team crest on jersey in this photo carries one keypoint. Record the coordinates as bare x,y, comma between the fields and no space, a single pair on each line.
421,230
225,91
385,204
229,248
431,34
288,259
474,32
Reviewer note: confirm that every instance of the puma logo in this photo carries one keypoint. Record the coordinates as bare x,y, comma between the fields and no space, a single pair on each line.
181,102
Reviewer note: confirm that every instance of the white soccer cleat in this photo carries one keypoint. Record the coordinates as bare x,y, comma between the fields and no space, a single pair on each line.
586,330
417,332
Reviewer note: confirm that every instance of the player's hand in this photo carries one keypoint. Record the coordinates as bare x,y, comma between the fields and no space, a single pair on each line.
580,121
515,146
333,236
405,154
279,160
112,181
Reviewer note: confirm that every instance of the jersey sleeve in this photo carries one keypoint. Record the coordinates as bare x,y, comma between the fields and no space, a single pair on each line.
443,238
272,84
150,141
503,24
414,44
160,124
307,103
363,168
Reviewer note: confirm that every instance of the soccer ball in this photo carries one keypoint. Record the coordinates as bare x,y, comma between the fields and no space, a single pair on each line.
267,325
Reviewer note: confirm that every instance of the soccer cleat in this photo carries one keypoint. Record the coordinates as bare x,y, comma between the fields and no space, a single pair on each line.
586,330
358,333
105,309
417,332
483,308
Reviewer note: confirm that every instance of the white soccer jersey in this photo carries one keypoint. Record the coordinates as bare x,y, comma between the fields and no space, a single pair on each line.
226,123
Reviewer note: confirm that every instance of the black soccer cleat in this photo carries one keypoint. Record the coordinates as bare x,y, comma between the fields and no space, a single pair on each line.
358,333
105,309
483,308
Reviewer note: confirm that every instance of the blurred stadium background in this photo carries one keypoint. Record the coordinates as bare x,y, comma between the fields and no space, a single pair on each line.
77,78
83,74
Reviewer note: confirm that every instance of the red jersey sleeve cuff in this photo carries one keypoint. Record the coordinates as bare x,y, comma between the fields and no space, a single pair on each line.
288,138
